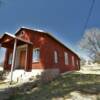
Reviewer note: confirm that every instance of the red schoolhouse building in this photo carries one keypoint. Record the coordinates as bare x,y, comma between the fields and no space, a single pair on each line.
31,49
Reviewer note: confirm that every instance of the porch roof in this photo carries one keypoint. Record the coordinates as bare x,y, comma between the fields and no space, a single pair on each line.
7,40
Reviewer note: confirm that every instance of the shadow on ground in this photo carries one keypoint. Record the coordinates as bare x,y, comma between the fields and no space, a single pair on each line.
62,87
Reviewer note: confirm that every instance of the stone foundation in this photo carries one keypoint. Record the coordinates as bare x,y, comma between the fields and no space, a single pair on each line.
23,76
52,72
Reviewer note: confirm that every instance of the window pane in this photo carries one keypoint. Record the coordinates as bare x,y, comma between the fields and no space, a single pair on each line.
10,58
66,58
55,57
73,62
77,62
36,55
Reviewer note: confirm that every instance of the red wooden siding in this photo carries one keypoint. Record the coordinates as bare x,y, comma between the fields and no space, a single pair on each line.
47,46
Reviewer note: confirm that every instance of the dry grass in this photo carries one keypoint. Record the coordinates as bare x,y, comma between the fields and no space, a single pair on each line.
64,88
82,85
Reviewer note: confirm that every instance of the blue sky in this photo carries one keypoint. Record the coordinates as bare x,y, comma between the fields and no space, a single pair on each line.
65,19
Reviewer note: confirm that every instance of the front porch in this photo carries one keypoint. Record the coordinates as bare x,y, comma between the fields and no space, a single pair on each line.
18,53
20,58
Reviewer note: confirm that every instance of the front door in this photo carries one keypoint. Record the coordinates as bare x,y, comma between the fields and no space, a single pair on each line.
22,59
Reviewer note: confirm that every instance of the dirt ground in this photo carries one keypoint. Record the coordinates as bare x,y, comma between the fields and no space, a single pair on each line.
79,85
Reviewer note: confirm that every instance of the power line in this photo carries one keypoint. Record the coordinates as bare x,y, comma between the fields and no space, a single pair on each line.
89,15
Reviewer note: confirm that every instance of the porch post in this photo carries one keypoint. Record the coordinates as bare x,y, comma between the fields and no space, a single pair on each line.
13,60
26,57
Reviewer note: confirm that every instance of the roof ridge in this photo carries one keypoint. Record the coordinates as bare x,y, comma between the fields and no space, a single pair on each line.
48,33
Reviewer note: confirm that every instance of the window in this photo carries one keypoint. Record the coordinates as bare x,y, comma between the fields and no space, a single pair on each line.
10,58
55,57
77,62
66,58
36,55
73,62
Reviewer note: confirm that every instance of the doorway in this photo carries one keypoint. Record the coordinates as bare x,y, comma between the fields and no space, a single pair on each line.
22,59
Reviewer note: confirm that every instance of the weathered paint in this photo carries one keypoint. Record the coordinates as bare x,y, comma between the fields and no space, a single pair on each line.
47,46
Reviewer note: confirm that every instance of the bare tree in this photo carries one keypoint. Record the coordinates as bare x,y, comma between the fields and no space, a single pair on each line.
83,61
91,43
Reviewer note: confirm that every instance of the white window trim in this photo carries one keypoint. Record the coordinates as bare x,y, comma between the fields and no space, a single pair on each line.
66,58
73,61
34,59
55,56
77,62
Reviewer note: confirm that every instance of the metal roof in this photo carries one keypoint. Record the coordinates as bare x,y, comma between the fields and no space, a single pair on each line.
49,34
